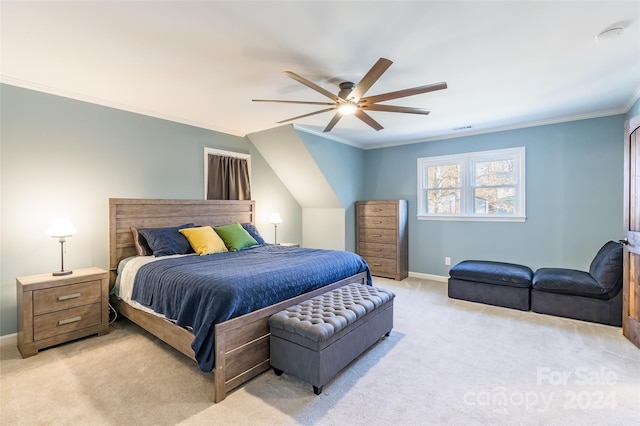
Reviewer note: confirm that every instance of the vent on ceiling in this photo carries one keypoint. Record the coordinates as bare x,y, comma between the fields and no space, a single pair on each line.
456,129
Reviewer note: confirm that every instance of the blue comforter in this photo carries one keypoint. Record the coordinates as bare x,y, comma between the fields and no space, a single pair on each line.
201,291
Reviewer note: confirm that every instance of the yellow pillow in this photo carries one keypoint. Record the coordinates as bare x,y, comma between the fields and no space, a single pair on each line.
204,240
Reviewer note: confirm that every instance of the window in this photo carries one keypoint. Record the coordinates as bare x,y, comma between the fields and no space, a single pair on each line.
487,185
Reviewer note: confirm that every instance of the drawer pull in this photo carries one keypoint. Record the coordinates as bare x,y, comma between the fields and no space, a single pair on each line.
377,236
69,320
69,296
376,264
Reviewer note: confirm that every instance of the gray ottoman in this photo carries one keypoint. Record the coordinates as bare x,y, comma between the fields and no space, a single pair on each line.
492,283
319,337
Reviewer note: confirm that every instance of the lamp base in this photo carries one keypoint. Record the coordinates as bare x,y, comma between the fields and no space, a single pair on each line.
58,273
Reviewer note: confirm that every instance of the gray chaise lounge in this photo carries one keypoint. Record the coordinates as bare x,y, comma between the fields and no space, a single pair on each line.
594,296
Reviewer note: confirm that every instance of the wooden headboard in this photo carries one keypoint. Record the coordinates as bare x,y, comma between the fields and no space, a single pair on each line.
153,213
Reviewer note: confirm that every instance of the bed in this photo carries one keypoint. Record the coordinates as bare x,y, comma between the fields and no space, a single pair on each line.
240,344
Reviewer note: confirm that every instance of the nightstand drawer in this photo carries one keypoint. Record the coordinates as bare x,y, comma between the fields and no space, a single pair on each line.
65,297
62,322
54,309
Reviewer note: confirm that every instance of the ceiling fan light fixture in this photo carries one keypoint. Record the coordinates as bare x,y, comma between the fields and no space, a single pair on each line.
346,87
351,99
347,108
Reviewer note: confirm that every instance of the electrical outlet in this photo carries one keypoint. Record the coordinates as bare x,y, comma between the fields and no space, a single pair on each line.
447,261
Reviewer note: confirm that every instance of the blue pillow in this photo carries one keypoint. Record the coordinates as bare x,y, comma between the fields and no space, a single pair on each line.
167,241
142,248
253,231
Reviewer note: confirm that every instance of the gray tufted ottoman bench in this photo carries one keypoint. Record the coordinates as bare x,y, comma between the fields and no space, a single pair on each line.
317,338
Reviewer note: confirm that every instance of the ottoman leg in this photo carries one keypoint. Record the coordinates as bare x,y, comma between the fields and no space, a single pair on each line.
317,390
277,371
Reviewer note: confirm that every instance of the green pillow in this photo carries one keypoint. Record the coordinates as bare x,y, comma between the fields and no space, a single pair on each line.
235,237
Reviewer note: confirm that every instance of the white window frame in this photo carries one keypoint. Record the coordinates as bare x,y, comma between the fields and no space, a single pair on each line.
221,152
466,162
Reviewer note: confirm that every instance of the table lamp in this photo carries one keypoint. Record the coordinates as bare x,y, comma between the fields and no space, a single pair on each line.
61,227
275,219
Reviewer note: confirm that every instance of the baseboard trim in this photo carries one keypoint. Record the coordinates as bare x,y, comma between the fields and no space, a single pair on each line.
438,278
9,339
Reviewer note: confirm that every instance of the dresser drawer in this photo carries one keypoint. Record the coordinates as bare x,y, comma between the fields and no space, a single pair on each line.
387,251
65,297
377,209
384,236
379,265
378,222
66,321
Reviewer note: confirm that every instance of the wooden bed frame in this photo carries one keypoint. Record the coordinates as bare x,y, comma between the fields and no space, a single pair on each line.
242,343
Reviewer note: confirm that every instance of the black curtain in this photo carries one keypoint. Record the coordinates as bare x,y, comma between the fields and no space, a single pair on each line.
228,178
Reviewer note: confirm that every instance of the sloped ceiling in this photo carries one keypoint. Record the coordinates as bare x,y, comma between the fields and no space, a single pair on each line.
291,161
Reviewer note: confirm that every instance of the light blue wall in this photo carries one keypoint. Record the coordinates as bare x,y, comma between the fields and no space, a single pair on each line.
64,157
343,166
60,156
574,197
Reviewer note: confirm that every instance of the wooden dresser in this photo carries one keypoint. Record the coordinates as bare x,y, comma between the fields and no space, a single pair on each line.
381,237
57,309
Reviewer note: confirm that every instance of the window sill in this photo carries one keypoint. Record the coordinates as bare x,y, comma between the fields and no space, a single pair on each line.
474,218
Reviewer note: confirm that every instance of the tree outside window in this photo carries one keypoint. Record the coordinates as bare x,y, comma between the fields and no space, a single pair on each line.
487,185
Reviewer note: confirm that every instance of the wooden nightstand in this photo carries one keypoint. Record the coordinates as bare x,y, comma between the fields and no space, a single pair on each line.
57,309
289,244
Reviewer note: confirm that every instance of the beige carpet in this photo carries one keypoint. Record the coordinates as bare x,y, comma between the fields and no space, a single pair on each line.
446,362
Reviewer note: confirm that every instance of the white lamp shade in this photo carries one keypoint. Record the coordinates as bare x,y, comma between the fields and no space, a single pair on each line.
275,218
61,227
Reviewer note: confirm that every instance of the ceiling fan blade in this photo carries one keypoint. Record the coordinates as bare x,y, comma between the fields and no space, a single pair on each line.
404,93
306,115
393,108
333,122
370,78
293,102
312,85
367,119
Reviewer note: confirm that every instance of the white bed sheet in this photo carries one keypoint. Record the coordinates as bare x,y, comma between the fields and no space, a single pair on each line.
128,276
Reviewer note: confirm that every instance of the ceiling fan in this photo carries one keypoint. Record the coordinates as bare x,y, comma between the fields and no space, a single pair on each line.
351,100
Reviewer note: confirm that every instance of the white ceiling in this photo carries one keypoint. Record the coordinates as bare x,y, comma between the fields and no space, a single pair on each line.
507,64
